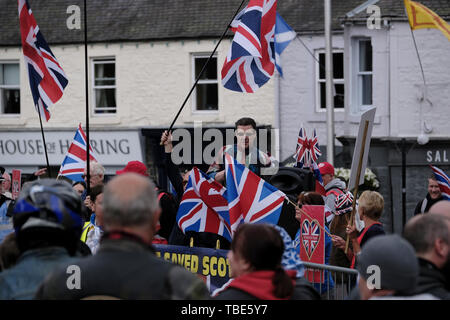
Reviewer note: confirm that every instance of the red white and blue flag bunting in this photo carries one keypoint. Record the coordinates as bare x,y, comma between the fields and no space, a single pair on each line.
47,78
75,161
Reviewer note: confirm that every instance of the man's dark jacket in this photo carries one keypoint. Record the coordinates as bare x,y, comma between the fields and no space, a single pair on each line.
432,281
125,269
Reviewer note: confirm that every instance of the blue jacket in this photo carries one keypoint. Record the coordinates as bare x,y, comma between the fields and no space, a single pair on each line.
22,281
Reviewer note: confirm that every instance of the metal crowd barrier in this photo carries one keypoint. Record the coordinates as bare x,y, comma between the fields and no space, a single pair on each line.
344,280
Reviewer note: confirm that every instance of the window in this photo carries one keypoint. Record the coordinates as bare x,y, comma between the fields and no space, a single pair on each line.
104,85
206,97
338,80
362,75
9,88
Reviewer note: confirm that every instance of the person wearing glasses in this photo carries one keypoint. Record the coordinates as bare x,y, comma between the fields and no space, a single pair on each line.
244,151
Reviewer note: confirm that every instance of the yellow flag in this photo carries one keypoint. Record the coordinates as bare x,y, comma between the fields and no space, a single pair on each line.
420,17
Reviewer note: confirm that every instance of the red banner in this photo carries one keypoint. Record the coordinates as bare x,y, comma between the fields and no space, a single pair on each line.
312,240
16,183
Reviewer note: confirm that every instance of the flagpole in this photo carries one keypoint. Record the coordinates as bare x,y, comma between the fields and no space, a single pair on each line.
418,57
329,82
45,144
204,67
88,167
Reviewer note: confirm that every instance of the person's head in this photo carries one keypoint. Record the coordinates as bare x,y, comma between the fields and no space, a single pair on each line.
79,187
130,204
327,171
97,174
370,205
310,198
245,130
136,167
387,266
343,203
5,183
433,188
441,207
48,213
429,234
97,203
257,247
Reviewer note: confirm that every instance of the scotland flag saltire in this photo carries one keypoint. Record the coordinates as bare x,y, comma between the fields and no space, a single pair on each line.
251,60
443,181
204,207
75,161
250,198
283,36
47,78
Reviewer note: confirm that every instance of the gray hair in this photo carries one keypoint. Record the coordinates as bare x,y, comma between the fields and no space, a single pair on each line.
129,209
97,168
424,230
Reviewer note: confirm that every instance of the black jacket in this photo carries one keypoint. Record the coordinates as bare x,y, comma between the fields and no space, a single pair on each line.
430,202
303,291
432,281
125,269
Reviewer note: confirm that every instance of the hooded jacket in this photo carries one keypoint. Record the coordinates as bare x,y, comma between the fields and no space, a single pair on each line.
334,186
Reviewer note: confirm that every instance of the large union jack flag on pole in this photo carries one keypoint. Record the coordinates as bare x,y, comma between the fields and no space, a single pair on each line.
251,60
443,181
75,161
250,198
204,207
47,78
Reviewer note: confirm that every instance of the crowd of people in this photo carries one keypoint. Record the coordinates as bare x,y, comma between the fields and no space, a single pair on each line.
107,236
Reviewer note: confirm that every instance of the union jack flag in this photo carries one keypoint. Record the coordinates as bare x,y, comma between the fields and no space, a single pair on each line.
250,198
47,78
251,60
307,151
75,161
443,181
310,236
301,154
204,207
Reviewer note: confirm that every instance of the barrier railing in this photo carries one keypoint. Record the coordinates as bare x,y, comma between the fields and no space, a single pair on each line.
343,280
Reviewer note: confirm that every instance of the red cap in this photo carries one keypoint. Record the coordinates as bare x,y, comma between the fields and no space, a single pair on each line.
136,167
326,168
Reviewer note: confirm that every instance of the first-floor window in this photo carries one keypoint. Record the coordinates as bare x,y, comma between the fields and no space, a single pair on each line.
9,88
338,80
206,97
104,85
362,74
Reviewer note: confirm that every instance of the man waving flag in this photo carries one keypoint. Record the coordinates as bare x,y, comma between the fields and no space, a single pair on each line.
47,78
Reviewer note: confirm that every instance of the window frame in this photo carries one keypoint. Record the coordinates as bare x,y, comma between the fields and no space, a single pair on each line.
357,94
103,60
317,79
200,81
5,86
